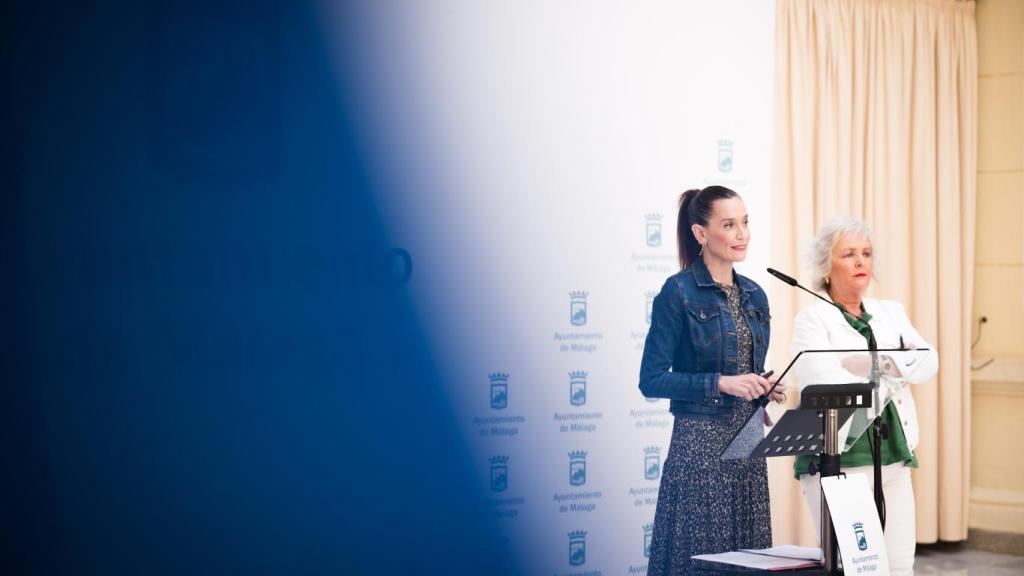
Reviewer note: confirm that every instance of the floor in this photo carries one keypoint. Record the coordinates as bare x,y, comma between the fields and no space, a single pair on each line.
952,560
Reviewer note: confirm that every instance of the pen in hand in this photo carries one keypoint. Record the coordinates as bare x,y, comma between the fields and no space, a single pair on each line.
763,400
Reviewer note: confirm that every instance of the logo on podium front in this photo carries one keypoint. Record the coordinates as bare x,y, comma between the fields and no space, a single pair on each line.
648,532
577,388
862,540
499,473
499,390
578,308
652,462
653,230
577,547
725,155
577,468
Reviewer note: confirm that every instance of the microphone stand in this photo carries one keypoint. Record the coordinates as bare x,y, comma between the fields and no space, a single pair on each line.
875,378
878,426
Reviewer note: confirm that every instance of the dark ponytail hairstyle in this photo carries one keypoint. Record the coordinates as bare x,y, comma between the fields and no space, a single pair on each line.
695,207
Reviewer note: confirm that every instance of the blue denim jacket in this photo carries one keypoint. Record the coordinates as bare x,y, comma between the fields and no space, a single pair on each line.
693,332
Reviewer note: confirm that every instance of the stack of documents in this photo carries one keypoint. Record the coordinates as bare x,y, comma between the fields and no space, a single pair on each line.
777,558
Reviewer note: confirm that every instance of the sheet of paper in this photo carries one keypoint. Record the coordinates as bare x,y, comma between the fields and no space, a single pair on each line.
759,561
789,551
858,530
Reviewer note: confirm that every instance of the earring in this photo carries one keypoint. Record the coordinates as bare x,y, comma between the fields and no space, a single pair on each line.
701,253
827,282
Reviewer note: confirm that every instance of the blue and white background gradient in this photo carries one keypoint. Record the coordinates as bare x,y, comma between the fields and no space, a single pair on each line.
354,287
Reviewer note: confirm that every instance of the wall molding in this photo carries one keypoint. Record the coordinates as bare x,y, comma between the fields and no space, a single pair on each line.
1001,376
999,510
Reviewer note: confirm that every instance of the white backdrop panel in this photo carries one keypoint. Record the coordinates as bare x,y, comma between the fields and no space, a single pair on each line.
529,150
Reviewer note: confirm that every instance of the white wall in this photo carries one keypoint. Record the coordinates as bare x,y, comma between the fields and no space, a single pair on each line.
518,147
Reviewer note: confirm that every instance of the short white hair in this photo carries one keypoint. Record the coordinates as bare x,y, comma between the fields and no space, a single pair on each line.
819,255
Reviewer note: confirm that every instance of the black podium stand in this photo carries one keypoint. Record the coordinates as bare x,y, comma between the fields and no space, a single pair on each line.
813,427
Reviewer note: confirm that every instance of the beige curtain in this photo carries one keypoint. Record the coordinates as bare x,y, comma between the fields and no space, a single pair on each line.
875,118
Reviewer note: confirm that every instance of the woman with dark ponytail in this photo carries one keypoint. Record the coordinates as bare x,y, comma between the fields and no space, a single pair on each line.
705,351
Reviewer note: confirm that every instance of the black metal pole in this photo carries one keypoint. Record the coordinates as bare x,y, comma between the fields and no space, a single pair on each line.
829,465
876,446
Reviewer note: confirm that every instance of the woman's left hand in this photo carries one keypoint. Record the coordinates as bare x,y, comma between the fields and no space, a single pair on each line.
858,364
779,393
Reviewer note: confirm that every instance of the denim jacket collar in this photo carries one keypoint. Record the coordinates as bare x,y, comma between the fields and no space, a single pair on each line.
702,276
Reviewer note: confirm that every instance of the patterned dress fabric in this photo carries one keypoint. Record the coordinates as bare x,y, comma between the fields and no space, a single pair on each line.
707,505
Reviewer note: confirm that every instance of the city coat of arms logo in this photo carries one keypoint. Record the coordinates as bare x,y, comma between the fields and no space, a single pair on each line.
862,540
725,155
577,547
577,388
499,390
652,462
653,230
499,473
577,468
578,308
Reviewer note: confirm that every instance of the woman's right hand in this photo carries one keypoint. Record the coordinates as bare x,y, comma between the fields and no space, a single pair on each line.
746,386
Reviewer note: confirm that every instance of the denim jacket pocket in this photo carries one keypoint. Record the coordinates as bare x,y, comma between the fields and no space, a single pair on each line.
761,316
705,327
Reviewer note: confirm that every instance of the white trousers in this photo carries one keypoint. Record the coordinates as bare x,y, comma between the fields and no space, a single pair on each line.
900,521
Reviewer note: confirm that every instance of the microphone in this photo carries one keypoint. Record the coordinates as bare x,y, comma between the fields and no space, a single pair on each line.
787,279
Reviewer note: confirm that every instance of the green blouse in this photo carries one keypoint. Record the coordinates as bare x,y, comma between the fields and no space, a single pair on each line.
894,447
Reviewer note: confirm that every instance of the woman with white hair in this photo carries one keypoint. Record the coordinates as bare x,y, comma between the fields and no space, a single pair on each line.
842,257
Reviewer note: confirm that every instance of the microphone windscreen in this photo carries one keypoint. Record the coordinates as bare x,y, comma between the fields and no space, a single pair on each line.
787,279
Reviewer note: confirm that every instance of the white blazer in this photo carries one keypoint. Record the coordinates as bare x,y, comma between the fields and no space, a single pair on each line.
821,326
